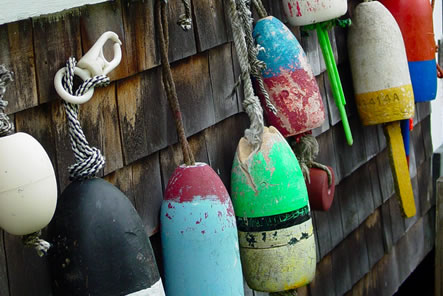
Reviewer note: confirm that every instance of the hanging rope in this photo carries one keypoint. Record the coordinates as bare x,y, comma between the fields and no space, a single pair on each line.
250,102
168,81
185,20
256,65
34,240
260,8
89,160
306,149
6,126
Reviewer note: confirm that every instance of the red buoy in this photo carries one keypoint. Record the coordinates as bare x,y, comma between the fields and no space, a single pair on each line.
321,194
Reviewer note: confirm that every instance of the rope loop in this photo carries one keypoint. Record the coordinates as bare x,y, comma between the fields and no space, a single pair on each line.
89,160
185,19
6,126
33,240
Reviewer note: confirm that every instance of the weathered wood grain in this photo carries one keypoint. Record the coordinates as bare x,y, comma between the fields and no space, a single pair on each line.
145,118
100,18
309,42
387,229
141,182
375,183
427,139
374,237
323,283
322,232
4,285
419,148
341,271
17,54
348,206
221,142
209,23
385,175
181,44
409,222
54,43
140,36
325,126
193,85
28,273
327,153
426,196
358,258
363,192
335,220
221,70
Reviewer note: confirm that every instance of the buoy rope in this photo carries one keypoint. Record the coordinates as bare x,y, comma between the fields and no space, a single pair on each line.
306,149
89,160
256,65
251,102
185,19
6,126
32,240
260,8
168,81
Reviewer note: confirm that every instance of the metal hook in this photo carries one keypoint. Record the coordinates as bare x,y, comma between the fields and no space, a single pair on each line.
93,63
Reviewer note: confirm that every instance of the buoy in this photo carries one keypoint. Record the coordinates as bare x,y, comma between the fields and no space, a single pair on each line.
100,244
288,79
414,17
28,188
321,194
382,85
320,15
275,229
199,235
305,12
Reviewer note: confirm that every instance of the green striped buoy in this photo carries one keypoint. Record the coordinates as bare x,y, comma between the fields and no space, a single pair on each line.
277,245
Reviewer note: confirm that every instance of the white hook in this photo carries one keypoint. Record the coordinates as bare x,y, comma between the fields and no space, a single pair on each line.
93,63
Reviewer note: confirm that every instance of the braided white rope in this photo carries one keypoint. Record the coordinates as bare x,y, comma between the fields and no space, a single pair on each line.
251,102
89,159
185,19
6,126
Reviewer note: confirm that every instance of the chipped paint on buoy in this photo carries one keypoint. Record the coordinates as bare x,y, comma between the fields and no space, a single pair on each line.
288,79
199,235
306,12
273,217
377,55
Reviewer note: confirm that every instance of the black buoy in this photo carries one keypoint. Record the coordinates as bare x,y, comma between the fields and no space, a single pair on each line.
100,245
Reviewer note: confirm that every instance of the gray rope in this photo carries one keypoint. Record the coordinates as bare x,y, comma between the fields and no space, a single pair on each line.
306,149
260,8
256,65
185,19
251,102
40,245
6,126
89,160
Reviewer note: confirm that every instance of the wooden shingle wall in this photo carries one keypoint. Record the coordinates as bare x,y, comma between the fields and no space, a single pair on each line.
364,245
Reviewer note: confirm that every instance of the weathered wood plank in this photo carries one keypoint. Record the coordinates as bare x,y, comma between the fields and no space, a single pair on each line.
28,273
387,229
335,220
182,44
17,54
426,196
194,92
323,283
325,126
417,141
348,206
372,146
54,43
209,22
96,20
221,142
140,36
141,182
362,191
327,153
385,175
221,71
4,285
237,78
358,258
341,271
322,232
309,42
374,237
145,118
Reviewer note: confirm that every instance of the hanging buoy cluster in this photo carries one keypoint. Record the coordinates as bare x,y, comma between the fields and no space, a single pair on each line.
382,85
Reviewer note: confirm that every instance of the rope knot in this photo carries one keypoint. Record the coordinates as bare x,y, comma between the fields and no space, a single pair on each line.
6,126
88,166
185,19
33,240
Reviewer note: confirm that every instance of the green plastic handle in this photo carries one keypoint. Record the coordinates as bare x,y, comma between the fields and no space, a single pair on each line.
334,78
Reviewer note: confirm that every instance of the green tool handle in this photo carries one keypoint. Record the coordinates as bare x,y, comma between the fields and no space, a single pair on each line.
334,79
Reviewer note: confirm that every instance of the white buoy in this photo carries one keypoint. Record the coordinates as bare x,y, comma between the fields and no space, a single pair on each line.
306,12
